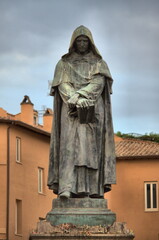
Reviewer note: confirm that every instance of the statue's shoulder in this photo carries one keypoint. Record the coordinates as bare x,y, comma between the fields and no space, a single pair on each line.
101,62
59,64
62,64
103,68
58,73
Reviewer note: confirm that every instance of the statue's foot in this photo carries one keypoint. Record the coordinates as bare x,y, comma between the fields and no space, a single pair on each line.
65,194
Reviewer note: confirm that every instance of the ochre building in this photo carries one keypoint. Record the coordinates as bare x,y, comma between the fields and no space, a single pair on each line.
135,196
24,154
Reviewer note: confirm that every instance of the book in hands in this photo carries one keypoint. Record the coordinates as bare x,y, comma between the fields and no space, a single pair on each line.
86,114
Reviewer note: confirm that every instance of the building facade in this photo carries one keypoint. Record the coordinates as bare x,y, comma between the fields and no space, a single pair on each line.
135,196
24,154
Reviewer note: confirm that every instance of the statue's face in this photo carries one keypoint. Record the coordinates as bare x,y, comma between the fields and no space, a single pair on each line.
82,44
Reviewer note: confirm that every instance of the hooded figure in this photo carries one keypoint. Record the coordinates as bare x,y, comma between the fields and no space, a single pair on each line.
82,153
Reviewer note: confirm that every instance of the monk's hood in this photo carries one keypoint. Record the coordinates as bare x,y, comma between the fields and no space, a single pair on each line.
82,30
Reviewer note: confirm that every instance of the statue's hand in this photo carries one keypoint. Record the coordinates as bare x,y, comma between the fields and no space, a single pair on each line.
83,103
73,100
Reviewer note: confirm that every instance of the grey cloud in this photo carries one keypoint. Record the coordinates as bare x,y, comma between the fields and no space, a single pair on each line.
35,34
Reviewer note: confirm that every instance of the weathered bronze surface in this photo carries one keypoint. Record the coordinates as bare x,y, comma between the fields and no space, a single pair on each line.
82,153
81,211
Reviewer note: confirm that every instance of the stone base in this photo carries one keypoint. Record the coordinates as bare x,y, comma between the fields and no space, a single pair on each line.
80,211
118,231
81,218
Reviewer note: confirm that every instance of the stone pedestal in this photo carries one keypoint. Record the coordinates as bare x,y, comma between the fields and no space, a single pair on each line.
80,211
118,231
81,218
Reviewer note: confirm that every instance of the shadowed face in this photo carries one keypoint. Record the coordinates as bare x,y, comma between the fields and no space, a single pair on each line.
82,44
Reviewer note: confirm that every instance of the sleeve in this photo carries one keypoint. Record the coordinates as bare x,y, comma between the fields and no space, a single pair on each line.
94,89
66,91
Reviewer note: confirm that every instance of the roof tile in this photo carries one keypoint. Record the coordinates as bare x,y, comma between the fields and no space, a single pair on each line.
133,147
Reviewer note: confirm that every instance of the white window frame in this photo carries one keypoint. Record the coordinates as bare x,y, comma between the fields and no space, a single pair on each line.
18,149
40,180
151,208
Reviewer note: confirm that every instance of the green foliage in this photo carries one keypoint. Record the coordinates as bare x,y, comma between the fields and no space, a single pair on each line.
147,136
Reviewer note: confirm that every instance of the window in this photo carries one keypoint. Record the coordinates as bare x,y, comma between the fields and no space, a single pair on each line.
18,217
18,149
40,180
35,120
151,196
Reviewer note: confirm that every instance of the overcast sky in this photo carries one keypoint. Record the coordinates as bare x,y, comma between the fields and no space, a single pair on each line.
34,34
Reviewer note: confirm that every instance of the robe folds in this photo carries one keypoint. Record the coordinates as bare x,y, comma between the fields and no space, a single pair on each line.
82,155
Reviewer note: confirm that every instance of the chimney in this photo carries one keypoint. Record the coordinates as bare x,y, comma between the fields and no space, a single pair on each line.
47,120
27,112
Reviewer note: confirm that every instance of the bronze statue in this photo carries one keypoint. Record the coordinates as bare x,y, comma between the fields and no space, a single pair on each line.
82,153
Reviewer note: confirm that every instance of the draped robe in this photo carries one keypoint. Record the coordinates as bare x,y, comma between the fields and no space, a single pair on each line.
82,156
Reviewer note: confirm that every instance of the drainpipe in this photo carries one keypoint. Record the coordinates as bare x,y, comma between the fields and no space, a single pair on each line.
8,182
